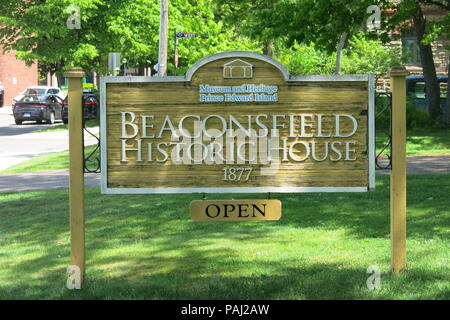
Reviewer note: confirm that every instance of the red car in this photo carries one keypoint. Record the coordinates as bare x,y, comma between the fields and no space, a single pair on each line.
90,106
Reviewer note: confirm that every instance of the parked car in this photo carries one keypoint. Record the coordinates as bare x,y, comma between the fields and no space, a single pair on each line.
38,108
415,87
2,94
41,91
90,106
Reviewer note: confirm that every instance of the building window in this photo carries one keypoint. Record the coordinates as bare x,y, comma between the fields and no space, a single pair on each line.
412,52
411,48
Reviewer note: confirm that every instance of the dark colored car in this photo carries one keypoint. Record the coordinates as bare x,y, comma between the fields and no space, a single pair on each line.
38,108
415,87
2,94
90,106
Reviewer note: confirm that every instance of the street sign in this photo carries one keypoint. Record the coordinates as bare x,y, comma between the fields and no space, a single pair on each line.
238,122
186,35
235,210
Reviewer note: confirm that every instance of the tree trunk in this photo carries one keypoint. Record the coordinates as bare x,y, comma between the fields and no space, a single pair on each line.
339,49
60,80
141,69
428,67
268,48
446,110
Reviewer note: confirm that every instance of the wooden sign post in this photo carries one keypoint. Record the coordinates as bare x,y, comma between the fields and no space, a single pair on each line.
398,175
76,183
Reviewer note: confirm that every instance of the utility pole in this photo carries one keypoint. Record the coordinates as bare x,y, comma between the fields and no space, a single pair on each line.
340,47
175,52
163,38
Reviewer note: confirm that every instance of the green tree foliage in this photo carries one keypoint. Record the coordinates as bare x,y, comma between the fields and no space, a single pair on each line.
205,18
324,22
369,56
248,18
303,21
37,30
362,56
302,59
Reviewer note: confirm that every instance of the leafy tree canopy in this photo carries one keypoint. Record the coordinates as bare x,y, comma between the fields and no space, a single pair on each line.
37,30
362,56
303,21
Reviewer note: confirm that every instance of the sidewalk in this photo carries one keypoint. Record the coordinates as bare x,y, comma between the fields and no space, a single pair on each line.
43,180
48,180
423,164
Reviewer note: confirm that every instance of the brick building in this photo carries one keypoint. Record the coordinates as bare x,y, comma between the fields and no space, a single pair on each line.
15,75
440,54
410,45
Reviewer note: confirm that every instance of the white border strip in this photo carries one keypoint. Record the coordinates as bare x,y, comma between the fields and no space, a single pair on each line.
232,190
132,79
371,131
103,136
331,78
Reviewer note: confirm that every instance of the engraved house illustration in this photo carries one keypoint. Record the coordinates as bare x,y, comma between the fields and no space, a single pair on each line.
238,69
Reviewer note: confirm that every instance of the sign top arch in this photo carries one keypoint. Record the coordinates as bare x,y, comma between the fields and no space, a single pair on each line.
237,55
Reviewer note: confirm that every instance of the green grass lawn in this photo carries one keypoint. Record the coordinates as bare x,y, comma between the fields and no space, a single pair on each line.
60,127
146,247
428,141
421,142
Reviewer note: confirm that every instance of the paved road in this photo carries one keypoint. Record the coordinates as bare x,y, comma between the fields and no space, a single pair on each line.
20,142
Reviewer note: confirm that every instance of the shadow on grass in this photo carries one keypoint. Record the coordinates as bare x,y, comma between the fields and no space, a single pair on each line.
36,217
296,281
420,141
177,259
431,140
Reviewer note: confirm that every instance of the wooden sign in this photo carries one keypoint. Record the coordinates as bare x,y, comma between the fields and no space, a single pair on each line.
235,210
237,122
